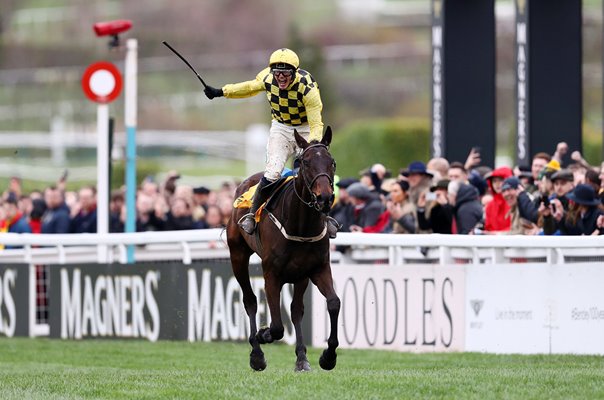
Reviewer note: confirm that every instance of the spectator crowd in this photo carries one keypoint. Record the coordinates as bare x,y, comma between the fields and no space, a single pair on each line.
159,207
547,198
437,196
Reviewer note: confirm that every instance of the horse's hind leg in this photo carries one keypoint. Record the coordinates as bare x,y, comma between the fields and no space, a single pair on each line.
240,263
297,310
324,283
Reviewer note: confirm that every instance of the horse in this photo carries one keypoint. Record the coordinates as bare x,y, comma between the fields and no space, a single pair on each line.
292,242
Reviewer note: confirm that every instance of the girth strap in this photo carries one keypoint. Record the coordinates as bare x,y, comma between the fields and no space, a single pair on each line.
296,238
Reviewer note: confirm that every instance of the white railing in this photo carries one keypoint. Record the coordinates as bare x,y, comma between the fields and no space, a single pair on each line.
359,248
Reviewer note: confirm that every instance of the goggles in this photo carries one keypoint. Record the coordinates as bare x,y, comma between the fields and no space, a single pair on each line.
285,72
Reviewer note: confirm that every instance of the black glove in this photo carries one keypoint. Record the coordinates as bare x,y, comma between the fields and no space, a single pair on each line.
213,92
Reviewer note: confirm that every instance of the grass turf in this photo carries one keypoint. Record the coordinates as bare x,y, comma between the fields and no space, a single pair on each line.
45,368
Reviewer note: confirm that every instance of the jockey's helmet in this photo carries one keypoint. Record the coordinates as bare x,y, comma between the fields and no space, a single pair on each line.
284,59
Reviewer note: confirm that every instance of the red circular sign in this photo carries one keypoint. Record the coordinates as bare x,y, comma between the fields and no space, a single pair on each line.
102,82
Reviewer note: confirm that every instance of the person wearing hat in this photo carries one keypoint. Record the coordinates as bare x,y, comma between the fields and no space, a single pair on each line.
435,214
552,208
295,102
563,182
367,206
343,210
545,186
584,216
14,221
419,178
510,190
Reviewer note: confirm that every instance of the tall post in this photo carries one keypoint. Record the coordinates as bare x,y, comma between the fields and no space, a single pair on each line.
130,122
437,148
549,56
523,157
463,79
102,171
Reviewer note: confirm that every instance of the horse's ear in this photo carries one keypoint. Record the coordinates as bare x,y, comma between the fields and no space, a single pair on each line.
327,137
302,143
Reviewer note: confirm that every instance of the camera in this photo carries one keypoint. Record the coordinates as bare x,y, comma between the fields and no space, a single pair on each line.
112,28
430,196
545,201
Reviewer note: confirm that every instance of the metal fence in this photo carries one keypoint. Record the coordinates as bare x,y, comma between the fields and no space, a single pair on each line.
37,252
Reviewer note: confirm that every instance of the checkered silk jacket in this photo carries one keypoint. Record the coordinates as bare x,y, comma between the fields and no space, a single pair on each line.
299,104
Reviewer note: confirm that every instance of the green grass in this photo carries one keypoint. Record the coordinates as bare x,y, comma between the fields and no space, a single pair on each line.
43,368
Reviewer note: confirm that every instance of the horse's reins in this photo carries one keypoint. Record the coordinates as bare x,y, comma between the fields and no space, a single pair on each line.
313,203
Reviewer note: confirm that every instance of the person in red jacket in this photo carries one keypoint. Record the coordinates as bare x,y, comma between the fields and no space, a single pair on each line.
496,211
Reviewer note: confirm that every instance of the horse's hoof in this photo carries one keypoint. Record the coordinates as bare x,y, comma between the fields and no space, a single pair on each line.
257,361
326,362
302,366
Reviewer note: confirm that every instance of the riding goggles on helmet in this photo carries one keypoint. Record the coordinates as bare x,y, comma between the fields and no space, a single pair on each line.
282,69
285,72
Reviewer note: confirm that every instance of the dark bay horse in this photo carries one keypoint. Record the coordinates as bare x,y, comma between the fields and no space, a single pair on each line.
292,242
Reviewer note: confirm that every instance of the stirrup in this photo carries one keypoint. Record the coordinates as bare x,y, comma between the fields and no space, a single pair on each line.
333,226
247,223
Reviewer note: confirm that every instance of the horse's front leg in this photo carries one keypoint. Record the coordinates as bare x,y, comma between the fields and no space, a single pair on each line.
272,288
297,310
324,283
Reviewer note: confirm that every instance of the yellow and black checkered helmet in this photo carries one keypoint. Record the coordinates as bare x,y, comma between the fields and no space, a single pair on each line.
284,59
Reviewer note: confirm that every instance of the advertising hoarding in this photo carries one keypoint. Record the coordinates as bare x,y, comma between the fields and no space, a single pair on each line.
14,300
199,302
407,308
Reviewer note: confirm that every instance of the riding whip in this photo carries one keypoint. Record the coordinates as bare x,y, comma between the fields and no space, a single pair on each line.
186,62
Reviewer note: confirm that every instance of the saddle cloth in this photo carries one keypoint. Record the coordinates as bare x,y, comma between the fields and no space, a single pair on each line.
245,200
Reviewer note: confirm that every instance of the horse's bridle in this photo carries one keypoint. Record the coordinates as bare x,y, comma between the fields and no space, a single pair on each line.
313,203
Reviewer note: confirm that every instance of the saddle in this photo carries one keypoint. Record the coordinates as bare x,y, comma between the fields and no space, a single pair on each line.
245,200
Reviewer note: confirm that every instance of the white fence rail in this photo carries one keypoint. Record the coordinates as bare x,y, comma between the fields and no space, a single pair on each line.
357,248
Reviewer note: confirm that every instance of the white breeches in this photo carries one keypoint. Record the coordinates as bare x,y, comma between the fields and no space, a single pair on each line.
281,145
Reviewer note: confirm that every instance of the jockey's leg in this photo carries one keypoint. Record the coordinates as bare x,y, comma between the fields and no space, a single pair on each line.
263,191
278,149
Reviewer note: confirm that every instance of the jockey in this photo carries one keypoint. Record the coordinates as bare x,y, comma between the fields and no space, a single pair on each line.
295,102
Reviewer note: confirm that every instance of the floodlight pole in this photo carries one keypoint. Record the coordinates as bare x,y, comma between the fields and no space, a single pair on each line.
130,122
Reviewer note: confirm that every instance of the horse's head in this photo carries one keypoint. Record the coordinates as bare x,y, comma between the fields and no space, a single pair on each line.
317,168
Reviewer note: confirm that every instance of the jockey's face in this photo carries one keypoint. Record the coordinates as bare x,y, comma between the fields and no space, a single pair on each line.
283,78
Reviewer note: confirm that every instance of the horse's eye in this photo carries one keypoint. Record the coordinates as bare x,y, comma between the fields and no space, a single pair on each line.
306,163
334,165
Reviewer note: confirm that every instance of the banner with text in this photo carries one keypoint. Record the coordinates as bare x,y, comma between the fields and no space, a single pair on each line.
535,309
14,300
409,308
199,302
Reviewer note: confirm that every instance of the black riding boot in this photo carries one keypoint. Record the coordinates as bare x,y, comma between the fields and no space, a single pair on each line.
247,222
